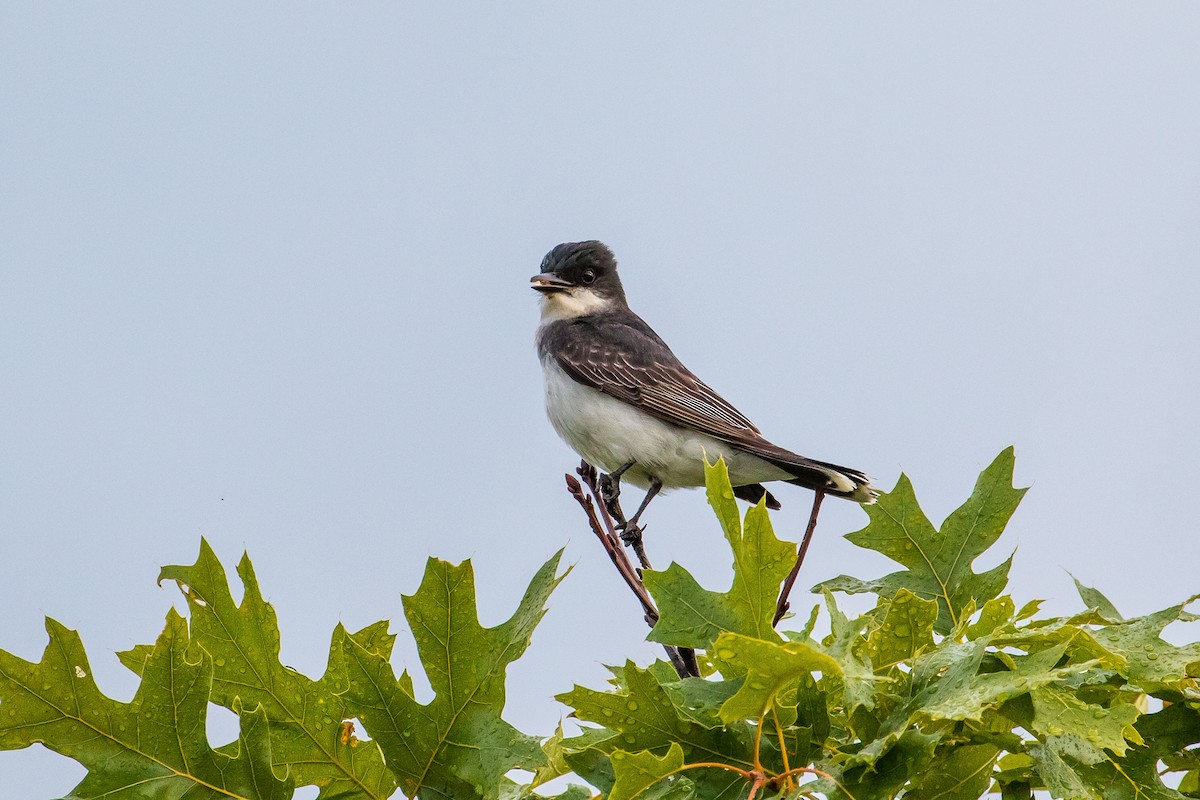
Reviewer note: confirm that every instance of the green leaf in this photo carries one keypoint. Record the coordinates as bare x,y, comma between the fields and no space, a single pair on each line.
306,716
1060,777
1073,633
154,746
905,631
636,772
1058,712
1154,665
583,754
1135,776
847,646
882,778
699,700
996,613
1092,598
939,561
556,763
691,616
963,773
964,694
644,716
456,746
769,669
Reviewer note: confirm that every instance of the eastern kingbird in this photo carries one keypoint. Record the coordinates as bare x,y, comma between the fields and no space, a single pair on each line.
621,399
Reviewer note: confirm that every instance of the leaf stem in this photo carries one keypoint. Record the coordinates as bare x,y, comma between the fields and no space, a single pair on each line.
782,745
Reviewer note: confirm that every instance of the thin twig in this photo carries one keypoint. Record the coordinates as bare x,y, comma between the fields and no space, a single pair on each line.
615,553
683,659
688,655
782,606
614,517
639,550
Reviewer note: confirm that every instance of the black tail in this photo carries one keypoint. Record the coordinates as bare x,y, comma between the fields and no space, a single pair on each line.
753,492
830,478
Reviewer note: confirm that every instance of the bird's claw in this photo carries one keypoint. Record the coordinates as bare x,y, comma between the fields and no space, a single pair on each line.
631,535
610,490
610,494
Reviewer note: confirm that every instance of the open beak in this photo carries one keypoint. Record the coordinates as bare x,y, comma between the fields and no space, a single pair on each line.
548,284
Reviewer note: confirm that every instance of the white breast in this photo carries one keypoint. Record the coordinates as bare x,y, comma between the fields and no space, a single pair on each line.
609,433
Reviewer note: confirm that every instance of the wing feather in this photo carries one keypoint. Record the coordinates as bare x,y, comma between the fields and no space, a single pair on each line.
630,362
622,356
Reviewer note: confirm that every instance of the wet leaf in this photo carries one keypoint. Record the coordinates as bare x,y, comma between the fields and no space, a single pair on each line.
692,616
154,746
456,746
306,715
939,561
636,772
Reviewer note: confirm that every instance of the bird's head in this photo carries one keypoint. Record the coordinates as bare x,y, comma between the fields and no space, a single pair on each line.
577,279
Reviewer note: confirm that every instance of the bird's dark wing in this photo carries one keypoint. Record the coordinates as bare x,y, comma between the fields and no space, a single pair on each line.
620,355
627,360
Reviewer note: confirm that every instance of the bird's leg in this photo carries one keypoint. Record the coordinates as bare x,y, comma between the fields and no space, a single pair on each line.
610,491
655,487
631,532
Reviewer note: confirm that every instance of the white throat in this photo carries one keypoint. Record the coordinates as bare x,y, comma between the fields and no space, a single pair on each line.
577,301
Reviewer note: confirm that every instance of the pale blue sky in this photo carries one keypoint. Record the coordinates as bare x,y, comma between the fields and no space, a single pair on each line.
263,277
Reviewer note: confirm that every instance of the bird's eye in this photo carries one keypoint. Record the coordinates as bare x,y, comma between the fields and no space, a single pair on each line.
588,277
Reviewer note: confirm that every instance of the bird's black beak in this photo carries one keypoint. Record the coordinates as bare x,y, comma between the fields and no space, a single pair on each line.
548,283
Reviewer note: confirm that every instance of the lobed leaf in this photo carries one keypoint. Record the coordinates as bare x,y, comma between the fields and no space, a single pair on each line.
939,562
691,616
1059,712
644,716
963,773
636,772
905,631
1154,665
860,686
1092,598
456,746
769,669
306,716
154,746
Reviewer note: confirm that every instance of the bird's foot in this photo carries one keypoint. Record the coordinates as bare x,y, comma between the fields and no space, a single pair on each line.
610,488
610,493
631,535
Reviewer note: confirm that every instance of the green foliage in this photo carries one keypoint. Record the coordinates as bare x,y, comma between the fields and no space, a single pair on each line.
152,747
939,560
295,731
305,715
694,617
944,690
457,745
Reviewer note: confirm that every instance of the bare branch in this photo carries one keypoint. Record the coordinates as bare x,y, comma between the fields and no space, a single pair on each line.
612,546
601,523
613,516
783,605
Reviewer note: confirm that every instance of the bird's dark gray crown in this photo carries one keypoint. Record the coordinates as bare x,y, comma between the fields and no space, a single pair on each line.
589,264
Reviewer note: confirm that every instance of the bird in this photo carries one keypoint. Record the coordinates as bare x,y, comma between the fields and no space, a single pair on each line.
622,400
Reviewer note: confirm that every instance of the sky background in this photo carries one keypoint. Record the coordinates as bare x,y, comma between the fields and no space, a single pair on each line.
264,278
